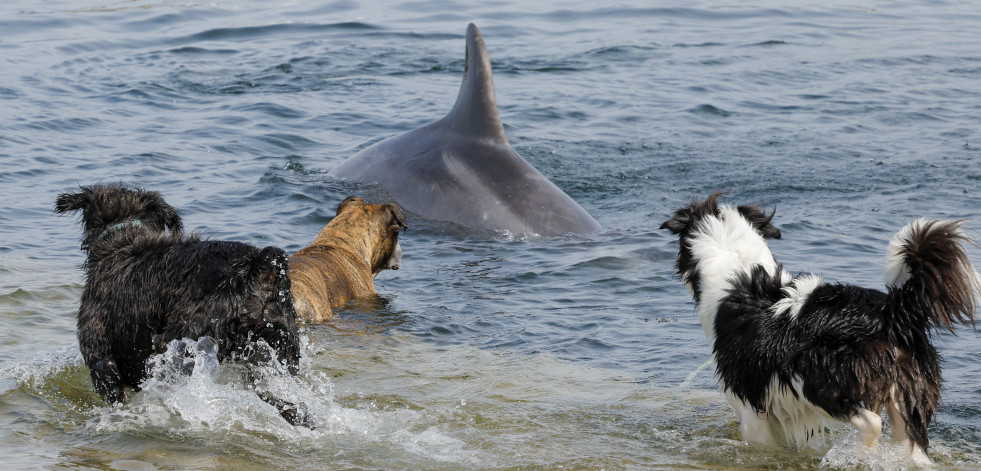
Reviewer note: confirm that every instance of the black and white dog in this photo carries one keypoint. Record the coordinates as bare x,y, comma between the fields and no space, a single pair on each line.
146,284
794,353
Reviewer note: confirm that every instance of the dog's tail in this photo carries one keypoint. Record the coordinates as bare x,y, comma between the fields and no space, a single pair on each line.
926,260
932,284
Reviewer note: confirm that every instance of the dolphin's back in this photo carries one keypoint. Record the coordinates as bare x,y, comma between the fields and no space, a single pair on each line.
462,169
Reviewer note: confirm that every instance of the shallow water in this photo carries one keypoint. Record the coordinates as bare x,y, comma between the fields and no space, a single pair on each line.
485,350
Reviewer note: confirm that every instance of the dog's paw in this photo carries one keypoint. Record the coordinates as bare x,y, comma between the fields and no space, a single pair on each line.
107,381
298,417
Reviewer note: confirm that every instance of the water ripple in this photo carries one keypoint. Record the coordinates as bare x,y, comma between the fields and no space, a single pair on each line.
486,350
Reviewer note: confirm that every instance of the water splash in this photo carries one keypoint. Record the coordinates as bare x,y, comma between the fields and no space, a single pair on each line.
886,455
187,390
191,395
44,365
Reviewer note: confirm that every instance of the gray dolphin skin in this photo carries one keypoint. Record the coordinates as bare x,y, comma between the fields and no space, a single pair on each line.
462,169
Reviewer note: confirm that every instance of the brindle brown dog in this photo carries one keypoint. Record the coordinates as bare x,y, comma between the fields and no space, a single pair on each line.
342,261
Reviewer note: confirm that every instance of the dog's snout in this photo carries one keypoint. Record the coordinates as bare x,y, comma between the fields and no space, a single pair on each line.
395,261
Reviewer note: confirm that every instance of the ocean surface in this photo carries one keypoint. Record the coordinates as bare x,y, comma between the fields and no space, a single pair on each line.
486,350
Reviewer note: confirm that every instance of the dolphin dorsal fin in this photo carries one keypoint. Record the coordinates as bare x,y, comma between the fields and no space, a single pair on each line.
475,110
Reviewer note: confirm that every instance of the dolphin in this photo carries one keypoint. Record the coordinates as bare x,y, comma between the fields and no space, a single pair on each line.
462,169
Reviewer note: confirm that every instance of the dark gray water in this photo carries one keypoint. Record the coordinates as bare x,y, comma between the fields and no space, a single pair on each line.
485,350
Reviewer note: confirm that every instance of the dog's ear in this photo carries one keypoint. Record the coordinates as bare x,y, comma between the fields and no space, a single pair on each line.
398,218
679,222
72,201
760,220
348,202
171,218
161,210
696,210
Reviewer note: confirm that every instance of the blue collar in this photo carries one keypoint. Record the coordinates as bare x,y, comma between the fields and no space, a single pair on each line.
130,223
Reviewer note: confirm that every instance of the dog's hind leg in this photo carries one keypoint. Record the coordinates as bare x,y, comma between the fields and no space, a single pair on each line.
107,380
898,424
753,426
288,410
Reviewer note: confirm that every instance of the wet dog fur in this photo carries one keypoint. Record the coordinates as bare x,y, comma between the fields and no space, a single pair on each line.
341,263
146,284
796,352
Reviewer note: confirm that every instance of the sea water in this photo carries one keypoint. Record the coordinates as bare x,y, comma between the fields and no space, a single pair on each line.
486,350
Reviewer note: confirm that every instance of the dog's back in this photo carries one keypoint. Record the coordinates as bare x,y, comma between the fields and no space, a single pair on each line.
325,277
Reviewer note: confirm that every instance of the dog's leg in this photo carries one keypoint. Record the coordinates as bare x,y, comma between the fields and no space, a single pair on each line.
869,426
289,411
898,425
107,380
753,426
899,434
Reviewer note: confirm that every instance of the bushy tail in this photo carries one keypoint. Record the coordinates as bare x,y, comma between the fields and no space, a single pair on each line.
933,284
926,258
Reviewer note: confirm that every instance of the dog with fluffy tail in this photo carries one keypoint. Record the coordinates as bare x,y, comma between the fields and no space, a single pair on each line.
795,354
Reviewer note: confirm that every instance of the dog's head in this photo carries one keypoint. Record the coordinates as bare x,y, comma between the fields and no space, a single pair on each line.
381,224
107,208
688,217
691,219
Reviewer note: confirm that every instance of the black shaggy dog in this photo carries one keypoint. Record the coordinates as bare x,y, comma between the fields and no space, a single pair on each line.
147,284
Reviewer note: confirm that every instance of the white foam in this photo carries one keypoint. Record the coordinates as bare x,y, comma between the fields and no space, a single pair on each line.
44,365
886,455
216,400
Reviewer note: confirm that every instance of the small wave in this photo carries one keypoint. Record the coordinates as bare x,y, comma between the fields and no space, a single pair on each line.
705,44
202,51
65,124
250,32
620,50
772,42
971,71
275,110
237,35
44,366
10,93
708,109
661,13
